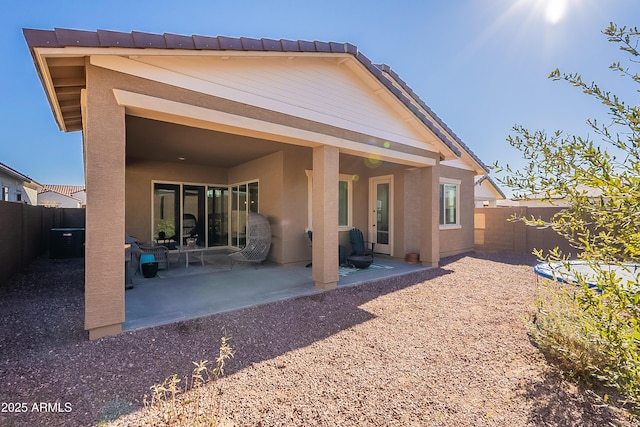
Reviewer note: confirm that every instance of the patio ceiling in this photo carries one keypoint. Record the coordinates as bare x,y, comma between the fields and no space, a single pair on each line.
154,140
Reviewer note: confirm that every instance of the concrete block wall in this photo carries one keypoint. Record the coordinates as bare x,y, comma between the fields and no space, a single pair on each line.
493,232
25,232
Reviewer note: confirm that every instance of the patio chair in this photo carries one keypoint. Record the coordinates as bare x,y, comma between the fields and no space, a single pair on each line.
361,256
310,235
359,246
190,227
160,254
258,232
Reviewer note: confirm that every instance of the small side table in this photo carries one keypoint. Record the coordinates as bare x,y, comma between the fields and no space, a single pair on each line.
186,250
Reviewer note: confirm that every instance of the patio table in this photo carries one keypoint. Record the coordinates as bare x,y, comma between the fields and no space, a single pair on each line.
186,250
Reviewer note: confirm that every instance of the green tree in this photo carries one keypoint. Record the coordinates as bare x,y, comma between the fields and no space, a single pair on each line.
593,333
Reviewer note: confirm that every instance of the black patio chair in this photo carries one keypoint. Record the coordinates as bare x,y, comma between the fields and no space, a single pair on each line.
359,246
310,235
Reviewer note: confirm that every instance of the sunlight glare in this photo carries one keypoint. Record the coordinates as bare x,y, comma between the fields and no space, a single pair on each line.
555,10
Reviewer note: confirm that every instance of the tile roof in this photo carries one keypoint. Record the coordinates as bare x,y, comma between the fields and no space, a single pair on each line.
405,86
65,190
61,37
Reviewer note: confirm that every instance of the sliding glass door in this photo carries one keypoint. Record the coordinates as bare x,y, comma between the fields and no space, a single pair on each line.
166,214
213,215
193,216
244,199
218,216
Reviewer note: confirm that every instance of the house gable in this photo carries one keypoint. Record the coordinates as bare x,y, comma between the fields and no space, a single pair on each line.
60,59
320,89
487,190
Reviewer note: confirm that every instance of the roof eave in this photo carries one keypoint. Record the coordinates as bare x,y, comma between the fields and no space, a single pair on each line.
14,173
481,167
66,38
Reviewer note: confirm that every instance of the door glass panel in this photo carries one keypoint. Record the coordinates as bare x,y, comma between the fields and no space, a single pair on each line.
253,197
239,215
234,216
244,199
166,214
382,213
218,216
193,218
242,215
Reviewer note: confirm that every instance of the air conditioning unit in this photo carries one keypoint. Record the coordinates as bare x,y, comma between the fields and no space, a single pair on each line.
66,243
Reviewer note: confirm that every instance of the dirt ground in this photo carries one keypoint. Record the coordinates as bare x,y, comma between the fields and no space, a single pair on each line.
446,347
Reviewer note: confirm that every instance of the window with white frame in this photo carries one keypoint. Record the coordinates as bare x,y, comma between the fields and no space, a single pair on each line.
345,200
449,203
5,193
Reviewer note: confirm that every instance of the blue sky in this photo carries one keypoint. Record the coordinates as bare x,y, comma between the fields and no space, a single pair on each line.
481,65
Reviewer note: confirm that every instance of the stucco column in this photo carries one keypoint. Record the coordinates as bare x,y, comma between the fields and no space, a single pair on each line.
324,206
430,216
104,151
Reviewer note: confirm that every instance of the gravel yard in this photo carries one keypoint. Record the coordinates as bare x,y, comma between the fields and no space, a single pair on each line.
446,347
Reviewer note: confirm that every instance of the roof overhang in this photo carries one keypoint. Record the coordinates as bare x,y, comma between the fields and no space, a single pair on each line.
61,57
14,173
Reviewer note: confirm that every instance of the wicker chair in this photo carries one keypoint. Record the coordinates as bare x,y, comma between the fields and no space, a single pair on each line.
258,240
160,253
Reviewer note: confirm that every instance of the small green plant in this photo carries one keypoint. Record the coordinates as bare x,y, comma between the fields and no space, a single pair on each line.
167,226
169,403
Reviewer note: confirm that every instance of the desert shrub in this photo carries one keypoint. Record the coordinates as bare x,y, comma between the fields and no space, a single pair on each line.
592,332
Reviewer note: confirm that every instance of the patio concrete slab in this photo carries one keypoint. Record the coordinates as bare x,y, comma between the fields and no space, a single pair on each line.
196,291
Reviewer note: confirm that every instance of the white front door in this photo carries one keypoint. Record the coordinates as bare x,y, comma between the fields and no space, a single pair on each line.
381,213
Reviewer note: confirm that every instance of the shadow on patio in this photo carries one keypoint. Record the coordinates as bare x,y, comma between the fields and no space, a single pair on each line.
182,293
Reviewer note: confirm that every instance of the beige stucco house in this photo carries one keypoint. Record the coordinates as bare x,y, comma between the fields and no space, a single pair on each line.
487,193
62,196
311,135
17,187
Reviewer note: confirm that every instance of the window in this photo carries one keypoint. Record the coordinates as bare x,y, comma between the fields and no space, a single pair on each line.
343,203
213,215
345,200
449,203
5,193
18,197
244,199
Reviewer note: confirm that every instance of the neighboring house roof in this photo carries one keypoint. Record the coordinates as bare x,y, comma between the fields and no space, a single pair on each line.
65,190
580,188
26,181
70,118
14,173
552,199
491,182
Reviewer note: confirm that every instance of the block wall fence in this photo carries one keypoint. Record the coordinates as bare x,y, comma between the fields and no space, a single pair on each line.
493,232
25,233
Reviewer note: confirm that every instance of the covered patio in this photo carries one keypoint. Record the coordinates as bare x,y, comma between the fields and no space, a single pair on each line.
183,293
185,136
